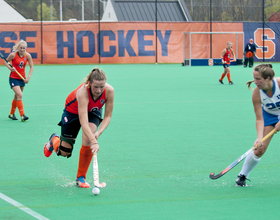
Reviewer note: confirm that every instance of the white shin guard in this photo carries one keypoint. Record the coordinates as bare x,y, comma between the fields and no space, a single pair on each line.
250,162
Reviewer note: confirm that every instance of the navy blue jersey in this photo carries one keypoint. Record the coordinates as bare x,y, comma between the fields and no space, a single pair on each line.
250,47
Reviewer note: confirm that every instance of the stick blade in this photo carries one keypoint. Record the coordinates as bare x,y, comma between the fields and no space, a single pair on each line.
214,177
100,185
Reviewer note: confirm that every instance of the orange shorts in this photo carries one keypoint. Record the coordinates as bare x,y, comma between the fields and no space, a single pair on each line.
249,54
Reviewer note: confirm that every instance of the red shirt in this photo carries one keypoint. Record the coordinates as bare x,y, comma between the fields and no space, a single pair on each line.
71,103
19,63
227,56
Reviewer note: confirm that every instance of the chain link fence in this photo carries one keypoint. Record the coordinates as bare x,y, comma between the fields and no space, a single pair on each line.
200,10
60,10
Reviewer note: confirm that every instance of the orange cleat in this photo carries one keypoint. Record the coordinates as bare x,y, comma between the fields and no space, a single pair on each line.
48,148
81,182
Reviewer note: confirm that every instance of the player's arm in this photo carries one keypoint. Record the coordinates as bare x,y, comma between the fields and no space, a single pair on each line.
83,99
223,54
108,110
245,50
10,58
254,50
277,126
233,54
259,115
30,62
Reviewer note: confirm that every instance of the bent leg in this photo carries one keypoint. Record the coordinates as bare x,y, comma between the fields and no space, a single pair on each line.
65,147
254,158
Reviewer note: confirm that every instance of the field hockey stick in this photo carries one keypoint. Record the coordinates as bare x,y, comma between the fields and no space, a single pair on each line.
213,176
1,55
215,63
96,173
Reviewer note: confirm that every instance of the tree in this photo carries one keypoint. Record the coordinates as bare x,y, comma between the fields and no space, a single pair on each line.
272,10
46,12
26,7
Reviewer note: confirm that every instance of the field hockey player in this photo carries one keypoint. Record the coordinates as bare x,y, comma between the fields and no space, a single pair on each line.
226,54
83,108
266,106
18,79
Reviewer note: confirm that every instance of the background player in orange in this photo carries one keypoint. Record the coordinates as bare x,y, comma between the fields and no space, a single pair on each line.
19,58
226,54
83,108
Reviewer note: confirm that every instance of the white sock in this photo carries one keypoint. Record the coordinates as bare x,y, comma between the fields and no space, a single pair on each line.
250,162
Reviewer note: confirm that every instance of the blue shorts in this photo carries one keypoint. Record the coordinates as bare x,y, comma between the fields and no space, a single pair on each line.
270,119
16,82
70,123
226,65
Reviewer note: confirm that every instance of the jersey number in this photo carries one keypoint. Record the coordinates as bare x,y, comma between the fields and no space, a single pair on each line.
272,105
94,109
21,64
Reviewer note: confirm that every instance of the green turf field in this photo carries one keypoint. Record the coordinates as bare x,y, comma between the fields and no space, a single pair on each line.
171,127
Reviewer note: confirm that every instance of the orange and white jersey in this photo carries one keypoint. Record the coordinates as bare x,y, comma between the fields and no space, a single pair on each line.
227,55
71,103
19,63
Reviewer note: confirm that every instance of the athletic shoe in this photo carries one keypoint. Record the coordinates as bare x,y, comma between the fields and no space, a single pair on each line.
241,180
221,81
12,116
48,148
24,118
81,182
231,83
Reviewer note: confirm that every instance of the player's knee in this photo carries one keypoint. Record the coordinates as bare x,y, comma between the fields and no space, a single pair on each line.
65,147
18,97
260,151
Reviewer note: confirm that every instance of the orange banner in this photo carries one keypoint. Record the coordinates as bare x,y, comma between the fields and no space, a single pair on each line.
117,42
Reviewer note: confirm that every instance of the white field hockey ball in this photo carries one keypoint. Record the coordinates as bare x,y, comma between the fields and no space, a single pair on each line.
95,191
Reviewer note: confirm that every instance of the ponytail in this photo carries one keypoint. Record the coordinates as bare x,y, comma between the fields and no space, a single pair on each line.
95,74
249,84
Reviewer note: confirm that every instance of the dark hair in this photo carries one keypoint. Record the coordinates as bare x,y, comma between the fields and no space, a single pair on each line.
265,70
96,74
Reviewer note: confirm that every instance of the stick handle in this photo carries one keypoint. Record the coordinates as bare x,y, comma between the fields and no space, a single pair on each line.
11,66
20,75
267,136
95,168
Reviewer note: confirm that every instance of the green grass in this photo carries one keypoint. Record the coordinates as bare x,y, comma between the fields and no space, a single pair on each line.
171,127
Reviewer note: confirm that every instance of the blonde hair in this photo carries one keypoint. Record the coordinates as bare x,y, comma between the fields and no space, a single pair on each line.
96,74
15,48
265,70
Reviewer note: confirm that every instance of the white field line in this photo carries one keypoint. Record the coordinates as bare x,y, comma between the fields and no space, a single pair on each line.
22,207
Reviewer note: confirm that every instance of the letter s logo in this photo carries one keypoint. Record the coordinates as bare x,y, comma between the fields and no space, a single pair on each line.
269,46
